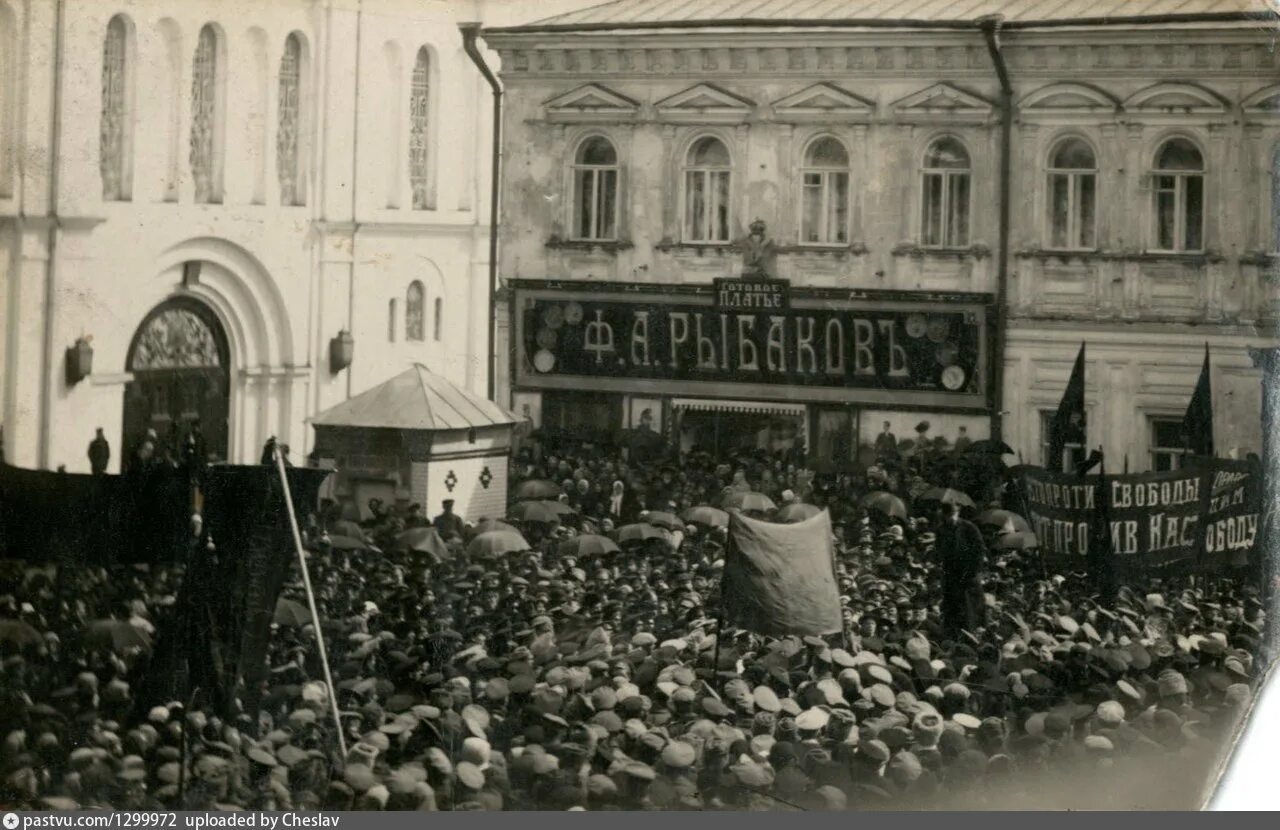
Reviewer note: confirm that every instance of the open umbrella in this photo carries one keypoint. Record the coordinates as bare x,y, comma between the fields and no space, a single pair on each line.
533,511
350,529
946,495
663,519
886,503
424,540
560,508
705,514
636,533
118,635
290,613
339,542
1002,519
747,502
19,633
587,544
991,447
1021,540
487,525
496,543
795,513
536,488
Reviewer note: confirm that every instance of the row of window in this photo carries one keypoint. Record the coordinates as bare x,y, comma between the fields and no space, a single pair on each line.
208,105
415,315
946,194
1165,448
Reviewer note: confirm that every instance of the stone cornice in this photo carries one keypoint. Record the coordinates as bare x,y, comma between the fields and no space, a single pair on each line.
949,54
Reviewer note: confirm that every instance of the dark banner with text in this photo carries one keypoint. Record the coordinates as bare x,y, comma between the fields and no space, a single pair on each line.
1204,516
895,348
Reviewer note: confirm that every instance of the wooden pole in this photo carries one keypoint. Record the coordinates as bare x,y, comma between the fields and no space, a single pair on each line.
311,599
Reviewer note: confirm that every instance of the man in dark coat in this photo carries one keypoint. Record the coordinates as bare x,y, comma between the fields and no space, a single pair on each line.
963,556
449,524
99,453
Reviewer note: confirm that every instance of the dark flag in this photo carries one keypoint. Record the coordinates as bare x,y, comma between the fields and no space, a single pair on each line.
1197,424
1100,561
1068,426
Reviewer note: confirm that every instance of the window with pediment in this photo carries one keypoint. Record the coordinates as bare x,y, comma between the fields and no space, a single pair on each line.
1178,196
946,195
824,187
1073,195
707,193
595,190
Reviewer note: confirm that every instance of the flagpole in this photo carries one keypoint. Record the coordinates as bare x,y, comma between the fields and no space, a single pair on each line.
311,599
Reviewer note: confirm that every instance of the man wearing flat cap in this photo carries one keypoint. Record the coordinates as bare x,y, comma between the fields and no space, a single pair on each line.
963,555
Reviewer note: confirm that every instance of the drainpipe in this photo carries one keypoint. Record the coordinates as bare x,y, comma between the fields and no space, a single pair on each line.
990,25
470,32
49,357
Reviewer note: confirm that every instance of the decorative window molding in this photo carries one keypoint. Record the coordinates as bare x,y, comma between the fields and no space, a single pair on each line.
1263,105
705,104
590,103
821,103
1064,100
115,147
942,101
1175,99
207,116
289,123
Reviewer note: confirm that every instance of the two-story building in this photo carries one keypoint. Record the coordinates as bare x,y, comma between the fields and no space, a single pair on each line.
642,139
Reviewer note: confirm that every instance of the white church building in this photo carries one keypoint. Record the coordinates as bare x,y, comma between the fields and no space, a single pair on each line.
234,213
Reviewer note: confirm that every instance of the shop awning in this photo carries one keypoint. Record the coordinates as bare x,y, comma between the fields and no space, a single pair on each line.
416,399
719,405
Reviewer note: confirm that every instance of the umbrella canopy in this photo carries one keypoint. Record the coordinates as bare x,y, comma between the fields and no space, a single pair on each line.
533,511
946,495
495,543
1002,519
748,502
705,514
424,540
797,512
350,529
488,525
663,519
339,542
290,613
587,544
886,503
988,446
536,488
633,534
118,635
19,633
1022,540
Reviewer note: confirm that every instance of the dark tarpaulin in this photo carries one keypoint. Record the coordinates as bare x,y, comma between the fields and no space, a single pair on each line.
779,579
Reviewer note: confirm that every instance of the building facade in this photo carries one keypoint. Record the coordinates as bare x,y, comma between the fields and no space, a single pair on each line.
643,139
244,213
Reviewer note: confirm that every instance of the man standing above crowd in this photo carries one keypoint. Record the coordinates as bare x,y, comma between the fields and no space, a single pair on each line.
448,524
963,556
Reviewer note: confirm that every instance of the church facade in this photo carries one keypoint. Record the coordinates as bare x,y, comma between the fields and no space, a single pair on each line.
639,151
232,215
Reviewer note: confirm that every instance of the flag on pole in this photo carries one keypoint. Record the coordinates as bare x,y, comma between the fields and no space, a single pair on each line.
1100,563
1068,426
779,579
1197,424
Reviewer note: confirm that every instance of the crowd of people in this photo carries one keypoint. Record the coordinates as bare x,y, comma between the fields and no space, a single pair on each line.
588,669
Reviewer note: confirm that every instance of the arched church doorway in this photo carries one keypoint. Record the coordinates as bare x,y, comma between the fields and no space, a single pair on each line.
181,385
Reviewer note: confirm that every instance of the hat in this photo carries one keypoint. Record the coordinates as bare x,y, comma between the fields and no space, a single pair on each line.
812,720
679,755
470,775
1111,712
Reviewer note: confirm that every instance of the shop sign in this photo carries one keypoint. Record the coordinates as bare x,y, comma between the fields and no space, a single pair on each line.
748,294
894,349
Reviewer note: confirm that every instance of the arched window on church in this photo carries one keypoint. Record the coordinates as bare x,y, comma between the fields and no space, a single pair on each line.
420,132
289,123
206,118
415,323
115,150
439,321
392,320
